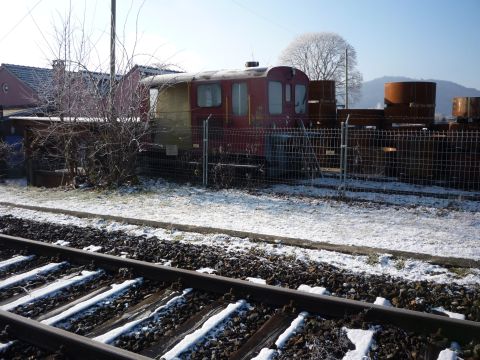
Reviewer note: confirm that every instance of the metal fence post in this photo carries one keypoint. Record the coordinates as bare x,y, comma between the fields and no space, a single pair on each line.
343,156
205,151
345,152
342,149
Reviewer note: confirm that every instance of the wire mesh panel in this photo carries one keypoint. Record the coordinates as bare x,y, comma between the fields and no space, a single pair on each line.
239,156
242,153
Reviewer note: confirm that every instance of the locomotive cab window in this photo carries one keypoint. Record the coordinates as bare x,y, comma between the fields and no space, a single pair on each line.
275,103
288,92
209,95
300,99
239,99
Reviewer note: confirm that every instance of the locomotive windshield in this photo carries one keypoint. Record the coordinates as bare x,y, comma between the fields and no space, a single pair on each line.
275,104
300,99
209,95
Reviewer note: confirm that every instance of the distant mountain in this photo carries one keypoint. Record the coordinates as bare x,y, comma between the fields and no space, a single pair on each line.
373,93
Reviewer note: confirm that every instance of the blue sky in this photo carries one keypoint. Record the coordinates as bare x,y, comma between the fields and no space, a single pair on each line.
421,39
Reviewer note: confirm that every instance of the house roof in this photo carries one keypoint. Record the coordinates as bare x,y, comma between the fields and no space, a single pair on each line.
36,78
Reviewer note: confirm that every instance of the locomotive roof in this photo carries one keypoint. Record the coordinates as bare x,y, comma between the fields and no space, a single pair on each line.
171,79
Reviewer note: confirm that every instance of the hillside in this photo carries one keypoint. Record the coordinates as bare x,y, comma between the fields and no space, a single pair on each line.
373,91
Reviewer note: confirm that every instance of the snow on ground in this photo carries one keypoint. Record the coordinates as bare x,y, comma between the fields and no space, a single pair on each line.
406,194
408,269
417,229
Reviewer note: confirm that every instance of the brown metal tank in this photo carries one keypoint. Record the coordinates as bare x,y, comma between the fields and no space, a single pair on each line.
410,102
322,103
466,107
362,117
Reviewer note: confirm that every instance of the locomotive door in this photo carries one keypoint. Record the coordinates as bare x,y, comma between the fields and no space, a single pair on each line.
289,103
240,105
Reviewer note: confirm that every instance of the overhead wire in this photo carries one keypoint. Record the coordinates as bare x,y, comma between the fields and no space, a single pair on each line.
20,21
260,15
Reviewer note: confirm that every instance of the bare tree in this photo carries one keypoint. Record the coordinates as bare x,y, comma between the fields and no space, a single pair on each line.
86,136
322,57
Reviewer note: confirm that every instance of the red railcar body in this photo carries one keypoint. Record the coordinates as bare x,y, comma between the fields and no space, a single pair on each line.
271,98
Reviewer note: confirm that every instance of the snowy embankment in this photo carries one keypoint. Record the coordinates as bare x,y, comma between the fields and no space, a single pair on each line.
420,229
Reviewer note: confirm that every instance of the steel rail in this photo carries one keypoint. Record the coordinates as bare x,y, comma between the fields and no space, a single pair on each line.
454,329
55,339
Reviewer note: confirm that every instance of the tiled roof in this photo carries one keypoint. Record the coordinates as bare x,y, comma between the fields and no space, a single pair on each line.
36,78
40,78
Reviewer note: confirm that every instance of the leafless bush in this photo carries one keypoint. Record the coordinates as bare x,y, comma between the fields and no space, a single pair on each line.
6,151
93,135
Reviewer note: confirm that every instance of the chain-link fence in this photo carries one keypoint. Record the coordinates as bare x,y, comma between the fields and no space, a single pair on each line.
397,161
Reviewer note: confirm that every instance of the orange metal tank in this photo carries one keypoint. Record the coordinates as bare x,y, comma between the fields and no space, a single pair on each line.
410,102
466,107
322,103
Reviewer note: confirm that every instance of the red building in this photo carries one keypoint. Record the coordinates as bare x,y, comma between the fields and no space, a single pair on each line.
20,86
57,92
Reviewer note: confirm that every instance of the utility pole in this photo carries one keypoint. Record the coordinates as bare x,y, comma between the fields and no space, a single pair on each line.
112,60
346,78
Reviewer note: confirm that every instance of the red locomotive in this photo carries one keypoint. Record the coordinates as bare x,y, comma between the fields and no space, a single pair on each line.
252,98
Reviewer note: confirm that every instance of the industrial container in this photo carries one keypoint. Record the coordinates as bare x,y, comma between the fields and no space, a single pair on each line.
422,157
362,117
410,102
322,103
466,108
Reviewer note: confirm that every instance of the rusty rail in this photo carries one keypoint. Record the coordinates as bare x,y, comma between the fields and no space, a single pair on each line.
455,329
54,339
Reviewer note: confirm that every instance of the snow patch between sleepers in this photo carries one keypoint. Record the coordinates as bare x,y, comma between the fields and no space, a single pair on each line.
297,323
319,290
5,346
114,291
92,248
382,301
111,335
257,280
447,354
450,314
51,289
362,339
14,260
12,280
191,339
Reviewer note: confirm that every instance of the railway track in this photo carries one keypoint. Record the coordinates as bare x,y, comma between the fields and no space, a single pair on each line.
151,311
